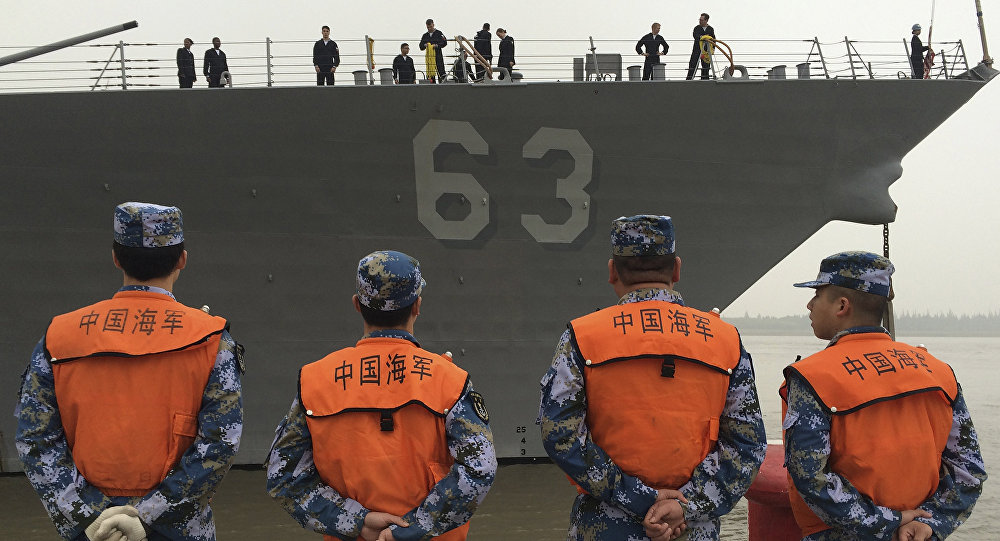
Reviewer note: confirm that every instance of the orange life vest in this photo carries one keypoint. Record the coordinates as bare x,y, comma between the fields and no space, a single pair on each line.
891,405
656,376
130,373
376,413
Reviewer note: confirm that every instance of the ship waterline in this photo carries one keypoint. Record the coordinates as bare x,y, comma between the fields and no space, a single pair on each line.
504,192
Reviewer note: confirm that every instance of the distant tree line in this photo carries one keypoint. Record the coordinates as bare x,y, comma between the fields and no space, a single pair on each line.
907,324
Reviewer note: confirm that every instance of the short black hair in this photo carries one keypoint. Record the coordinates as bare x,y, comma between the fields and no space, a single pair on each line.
486,26
429,21
868,306
647,268
705,15
325,27
144,263
386,319
403,45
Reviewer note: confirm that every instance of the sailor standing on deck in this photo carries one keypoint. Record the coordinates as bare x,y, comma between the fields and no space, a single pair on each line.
215,64
652,42
506,50
185,65
650,406
149,411
326,58
917,50
878,441
703,29
403,72
436,38
484,46
385,439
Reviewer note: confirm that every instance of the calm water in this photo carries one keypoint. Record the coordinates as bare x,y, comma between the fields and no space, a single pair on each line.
972,359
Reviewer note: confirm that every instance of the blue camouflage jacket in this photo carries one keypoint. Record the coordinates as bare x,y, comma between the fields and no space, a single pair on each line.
294,481
179,507
617,502
852,515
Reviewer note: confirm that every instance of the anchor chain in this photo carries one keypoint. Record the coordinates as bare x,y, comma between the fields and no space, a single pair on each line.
888,319
885,240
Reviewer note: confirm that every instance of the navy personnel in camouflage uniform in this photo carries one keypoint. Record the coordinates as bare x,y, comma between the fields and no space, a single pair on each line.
650,407
385,440
149,412
878,441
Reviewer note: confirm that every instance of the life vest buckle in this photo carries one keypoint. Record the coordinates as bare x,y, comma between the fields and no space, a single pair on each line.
385,420
667,368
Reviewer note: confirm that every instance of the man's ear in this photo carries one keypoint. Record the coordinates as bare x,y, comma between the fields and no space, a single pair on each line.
182,261
357,303
676,277
843,305
612,273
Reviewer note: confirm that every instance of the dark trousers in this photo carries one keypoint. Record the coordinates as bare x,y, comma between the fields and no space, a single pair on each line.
505,63
442,73
481,71
647,67
214,80
693,63
185,81
918,67
324,75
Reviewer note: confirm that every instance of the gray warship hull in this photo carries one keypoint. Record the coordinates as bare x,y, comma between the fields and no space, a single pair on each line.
504,192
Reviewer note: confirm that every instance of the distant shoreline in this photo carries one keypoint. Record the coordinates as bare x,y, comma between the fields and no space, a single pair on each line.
981,325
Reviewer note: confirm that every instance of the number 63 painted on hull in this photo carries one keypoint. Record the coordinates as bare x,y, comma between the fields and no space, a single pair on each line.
431,184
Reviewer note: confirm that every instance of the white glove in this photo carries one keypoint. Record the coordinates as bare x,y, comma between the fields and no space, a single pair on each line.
127,527
91,530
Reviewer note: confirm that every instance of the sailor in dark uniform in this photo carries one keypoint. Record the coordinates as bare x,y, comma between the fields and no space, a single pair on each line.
215,64
506,47
185,65
652,42
917,50
703,29
403,71
435,37
484,46
326,58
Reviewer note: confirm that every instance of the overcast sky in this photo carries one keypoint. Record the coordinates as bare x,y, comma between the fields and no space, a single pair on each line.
944,240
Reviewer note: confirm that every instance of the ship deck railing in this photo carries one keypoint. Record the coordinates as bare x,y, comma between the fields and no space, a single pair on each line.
270,62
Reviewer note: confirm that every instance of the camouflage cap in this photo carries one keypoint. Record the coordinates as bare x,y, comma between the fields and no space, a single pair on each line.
389,280
148,225
863,271
645,234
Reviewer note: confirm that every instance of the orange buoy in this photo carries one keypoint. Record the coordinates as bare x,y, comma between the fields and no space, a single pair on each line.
770,513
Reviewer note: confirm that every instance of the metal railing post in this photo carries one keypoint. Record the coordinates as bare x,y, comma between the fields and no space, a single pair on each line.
270,79
822,60
944,63
850,57
121,50
965,59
